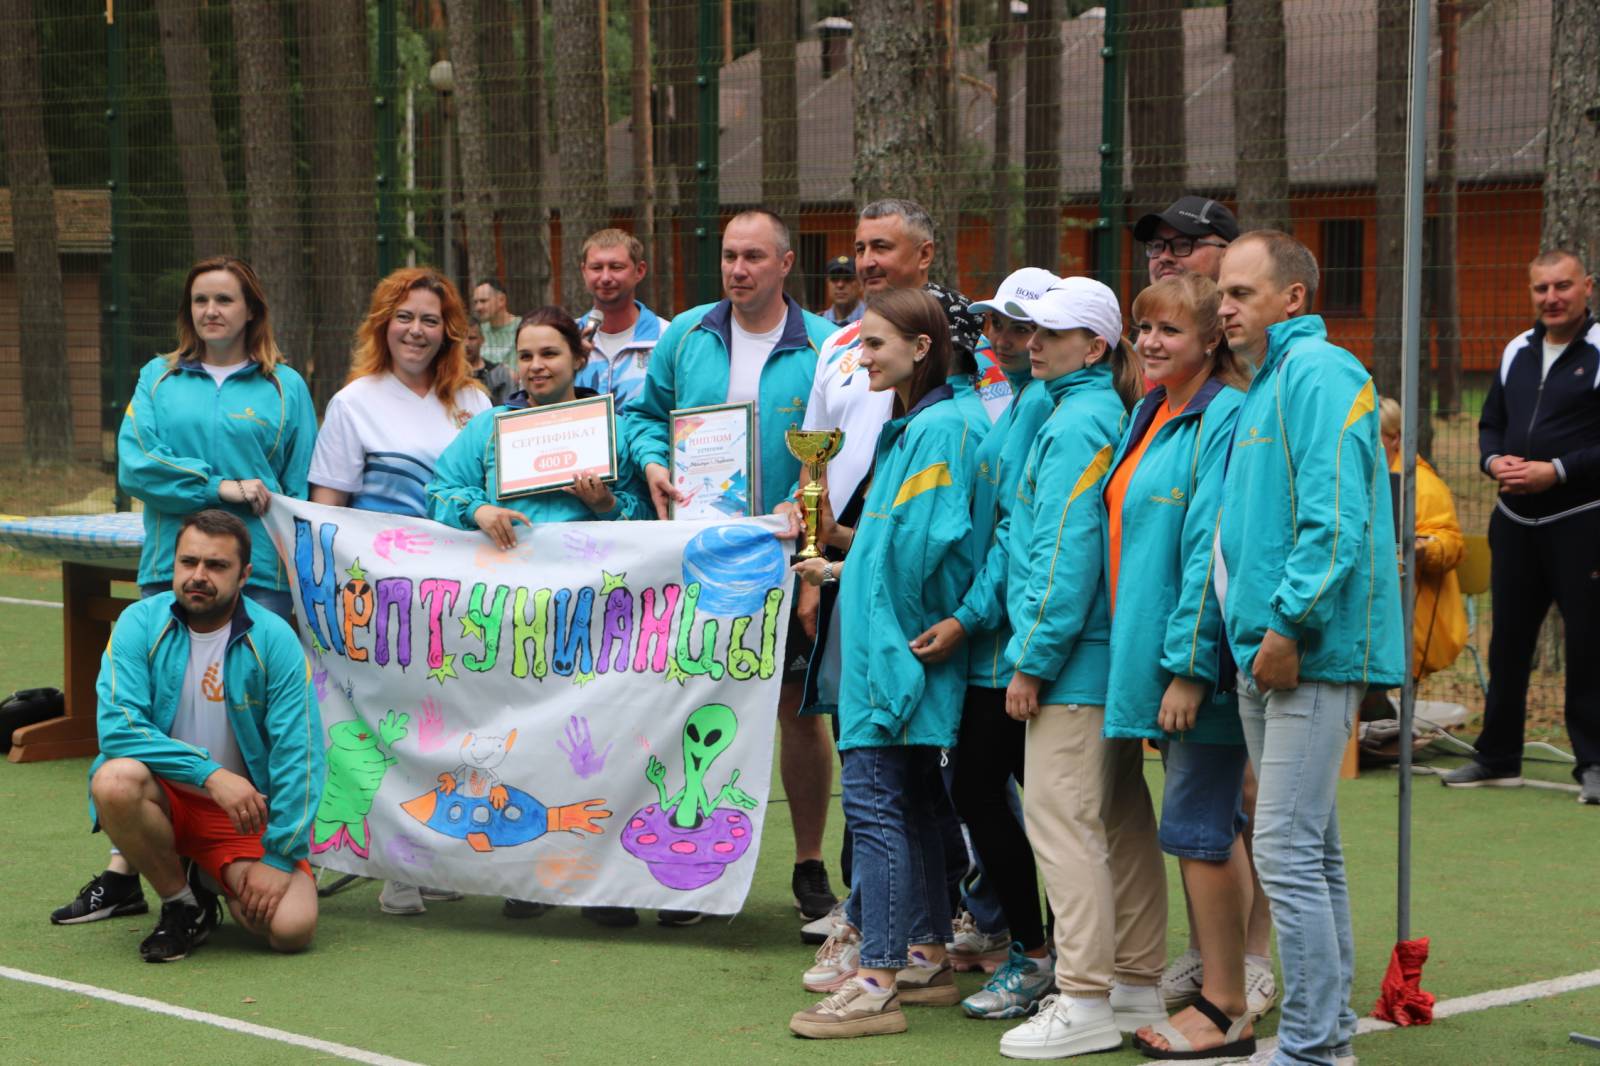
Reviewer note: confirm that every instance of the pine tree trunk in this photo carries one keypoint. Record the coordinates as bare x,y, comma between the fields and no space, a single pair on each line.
523,262
675,44
276,238
529,250
1041,149
780,120
1260,107
895,65
1158,149
644,147
1389,143
1447,298
194,128
340,133
580,135
1572,153
42,330
472,136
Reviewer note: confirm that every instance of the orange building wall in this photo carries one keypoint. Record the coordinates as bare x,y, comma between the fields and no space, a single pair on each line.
80,282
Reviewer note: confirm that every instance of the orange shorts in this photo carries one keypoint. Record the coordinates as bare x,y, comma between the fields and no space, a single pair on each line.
204,833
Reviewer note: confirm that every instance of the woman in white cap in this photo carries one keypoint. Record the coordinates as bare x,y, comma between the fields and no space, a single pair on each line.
1087,809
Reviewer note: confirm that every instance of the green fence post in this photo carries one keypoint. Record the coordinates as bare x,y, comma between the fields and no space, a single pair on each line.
1108,238
388,134
708,207
117,319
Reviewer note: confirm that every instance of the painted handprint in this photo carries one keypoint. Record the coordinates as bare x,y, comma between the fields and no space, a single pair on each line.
579,748
584,548
402,539
431,734
319,678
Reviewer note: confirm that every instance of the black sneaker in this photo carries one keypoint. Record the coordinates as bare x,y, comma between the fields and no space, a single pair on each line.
612,917
678,919
1477,775
107,895
523,908
813,897
183,926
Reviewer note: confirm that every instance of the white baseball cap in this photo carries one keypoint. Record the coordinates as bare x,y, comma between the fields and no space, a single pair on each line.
1029,283
1073,303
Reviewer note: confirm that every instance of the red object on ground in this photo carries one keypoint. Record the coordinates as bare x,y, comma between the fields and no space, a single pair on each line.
1402,1000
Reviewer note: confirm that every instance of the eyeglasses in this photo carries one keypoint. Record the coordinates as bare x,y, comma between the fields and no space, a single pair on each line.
1182,247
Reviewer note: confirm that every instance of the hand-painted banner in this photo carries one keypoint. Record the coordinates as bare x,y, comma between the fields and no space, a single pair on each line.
584,719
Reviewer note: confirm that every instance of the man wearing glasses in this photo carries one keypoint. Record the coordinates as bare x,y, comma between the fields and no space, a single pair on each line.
1188,236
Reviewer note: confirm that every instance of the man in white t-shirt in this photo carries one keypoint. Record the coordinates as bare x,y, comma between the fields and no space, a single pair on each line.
499,325
211,757
625,330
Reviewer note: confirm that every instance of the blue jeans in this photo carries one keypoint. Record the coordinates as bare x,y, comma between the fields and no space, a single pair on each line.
898,894
278,601
1297,740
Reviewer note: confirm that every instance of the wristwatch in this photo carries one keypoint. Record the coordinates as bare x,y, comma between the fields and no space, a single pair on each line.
827,572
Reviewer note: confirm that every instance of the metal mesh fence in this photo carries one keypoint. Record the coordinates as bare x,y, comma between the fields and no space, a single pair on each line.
332,140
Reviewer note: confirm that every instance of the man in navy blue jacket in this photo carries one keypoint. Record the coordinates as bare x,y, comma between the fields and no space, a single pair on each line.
1540,440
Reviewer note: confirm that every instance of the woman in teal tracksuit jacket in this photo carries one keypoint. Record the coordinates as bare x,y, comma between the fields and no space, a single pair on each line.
906,568
271,706
1163,501
463,490
1087,812
189,441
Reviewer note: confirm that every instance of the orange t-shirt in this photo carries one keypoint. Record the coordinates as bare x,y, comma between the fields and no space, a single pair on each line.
1117,490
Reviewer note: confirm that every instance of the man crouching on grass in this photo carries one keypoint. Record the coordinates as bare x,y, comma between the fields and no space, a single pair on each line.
210,765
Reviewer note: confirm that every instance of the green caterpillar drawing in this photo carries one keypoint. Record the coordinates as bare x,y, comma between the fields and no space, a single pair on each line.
356,765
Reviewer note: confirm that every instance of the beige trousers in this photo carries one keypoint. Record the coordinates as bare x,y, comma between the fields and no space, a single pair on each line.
1093,830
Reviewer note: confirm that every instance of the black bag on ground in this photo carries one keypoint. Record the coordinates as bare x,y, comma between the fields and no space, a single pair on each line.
27,707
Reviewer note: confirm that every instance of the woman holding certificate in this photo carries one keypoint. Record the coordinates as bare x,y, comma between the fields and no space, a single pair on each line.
563,463
409,393
906,568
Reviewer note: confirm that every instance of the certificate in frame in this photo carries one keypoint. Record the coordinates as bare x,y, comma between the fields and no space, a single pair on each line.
713,460
539,449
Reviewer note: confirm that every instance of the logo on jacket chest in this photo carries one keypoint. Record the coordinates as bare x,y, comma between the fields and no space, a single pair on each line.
1174,499
1254,437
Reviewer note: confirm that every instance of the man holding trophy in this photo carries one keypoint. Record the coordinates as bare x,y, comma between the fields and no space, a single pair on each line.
746,361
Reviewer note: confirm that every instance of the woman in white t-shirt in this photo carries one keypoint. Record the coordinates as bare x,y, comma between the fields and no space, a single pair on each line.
409,393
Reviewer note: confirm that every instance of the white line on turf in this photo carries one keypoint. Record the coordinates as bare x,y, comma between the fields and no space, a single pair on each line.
1446,1008
234,1025
30,603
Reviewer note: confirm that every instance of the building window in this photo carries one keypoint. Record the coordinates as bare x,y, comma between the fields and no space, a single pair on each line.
812,261
1342,266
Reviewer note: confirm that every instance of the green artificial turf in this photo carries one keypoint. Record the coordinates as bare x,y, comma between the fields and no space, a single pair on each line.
1504,885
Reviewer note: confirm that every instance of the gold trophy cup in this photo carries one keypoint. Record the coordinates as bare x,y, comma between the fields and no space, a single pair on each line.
813,447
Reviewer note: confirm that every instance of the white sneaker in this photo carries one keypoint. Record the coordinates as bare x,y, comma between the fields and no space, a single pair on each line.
1260,989
1062,1029
836,963
440,895
971,949
400,898
818,930
1181,981
1136,1006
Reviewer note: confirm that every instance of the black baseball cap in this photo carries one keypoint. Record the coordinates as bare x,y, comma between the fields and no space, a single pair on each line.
841,266
1192,216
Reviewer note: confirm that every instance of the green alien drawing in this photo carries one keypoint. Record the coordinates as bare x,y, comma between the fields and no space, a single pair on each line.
706,734
356,762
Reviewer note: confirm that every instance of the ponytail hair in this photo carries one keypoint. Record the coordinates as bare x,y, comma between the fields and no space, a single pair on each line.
1127,375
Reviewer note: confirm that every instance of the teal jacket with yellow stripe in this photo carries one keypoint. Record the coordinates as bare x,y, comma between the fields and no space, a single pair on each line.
1167,622
267,694
690,368
999,464
907,568
184,434
1056,588
1307,533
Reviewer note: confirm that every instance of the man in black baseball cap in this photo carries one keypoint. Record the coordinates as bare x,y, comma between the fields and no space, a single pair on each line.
1188,236
844,292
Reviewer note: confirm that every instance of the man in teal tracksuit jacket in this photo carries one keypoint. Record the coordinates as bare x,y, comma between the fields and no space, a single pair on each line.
1311,602
210,749
704,358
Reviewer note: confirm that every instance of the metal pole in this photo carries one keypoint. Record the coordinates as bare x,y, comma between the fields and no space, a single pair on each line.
1108,227
118,317
1411,355
708,207
449,187
388,135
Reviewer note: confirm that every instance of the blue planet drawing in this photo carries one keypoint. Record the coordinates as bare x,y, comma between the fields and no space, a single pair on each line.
735,566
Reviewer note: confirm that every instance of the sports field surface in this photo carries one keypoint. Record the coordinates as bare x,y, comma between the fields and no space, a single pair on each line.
1506,884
